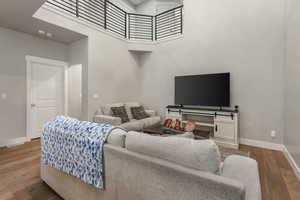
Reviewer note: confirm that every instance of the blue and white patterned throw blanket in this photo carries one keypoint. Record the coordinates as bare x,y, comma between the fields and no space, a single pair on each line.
76,148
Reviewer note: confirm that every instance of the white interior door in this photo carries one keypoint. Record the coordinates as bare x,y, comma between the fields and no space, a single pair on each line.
47,93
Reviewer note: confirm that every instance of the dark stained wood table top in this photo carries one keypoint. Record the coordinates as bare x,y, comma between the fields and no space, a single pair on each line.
155,130
158,130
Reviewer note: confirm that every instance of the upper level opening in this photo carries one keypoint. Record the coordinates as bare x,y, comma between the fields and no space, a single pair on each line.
134,20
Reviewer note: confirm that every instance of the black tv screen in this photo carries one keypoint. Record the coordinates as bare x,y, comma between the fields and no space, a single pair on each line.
203,90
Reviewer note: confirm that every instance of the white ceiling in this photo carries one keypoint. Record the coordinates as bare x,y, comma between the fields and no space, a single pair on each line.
17,15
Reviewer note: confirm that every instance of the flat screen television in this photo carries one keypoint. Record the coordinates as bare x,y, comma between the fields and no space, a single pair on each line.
203,90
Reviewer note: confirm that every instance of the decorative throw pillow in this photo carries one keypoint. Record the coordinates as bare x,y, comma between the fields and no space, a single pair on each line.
139,113
120,112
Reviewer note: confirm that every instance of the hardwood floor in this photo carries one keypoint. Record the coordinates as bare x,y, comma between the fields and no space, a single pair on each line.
20,174
277,177
20,179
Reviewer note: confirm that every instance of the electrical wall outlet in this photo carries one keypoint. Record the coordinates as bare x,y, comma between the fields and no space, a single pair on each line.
273,134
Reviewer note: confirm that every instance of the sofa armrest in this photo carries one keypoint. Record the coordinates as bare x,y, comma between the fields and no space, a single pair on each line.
151,113
245,170
105,119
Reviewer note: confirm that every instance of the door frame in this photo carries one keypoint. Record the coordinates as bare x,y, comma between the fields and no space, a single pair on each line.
29,61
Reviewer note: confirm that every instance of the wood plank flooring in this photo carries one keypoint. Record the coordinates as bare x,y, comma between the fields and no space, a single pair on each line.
277,178
20,174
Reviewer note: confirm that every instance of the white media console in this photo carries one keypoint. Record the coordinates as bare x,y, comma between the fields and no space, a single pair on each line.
223,125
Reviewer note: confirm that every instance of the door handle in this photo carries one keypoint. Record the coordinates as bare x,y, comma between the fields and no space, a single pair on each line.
33,105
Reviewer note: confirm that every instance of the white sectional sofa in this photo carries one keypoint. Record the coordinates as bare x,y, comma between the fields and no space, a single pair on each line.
104,115
144,167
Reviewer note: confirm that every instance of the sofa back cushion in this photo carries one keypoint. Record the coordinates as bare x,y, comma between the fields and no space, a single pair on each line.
139,113
120,112
196,154
107,108
128,107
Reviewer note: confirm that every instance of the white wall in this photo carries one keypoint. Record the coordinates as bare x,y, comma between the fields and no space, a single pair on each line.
112,70
147,8
112,73
153,7
124,4
164,5
14,46
78,55
292,81
245,38
75,91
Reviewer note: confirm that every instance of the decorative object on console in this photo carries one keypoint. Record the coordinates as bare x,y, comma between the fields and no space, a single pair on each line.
120,112
190,127
168,123
139,113
178,125
171,128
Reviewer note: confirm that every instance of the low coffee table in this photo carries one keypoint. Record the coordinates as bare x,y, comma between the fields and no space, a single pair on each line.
158,130
155,130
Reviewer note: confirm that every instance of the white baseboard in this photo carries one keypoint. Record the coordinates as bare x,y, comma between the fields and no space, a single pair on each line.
292,162
262,144
13,142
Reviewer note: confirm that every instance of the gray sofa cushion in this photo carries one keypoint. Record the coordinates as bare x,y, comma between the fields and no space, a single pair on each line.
106,119
138,125
117,138
150,121
133,125
197,154
151,113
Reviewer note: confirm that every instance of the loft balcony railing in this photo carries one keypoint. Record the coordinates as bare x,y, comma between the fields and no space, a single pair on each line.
169,23
131,26
140,27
